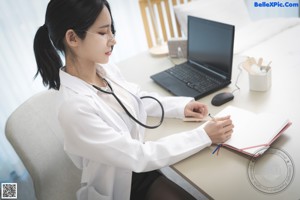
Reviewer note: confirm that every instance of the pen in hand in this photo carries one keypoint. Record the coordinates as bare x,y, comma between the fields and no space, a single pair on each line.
219,145
217,149
211,117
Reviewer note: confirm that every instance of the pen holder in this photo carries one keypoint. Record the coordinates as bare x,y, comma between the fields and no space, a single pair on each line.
260,82
177,47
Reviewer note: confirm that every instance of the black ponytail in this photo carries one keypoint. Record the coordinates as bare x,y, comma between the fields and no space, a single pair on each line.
62,15
47,58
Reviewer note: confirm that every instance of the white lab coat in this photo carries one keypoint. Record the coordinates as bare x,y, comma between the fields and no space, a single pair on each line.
98,141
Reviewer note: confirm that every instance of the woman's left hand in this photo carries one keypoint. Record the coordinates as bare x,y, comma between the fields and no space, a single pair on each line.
195,109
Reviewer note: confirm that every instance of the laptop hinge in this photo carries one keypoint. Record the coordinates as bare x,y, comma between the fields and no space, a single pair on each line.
205,68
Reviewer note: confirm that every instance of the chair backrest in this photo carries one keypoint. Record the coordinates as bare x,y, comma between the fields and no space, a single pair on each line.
159,20
35,134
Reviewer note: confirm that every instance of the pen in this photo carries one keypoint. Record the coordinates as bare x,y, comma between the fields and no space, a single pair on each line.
211,116
217,149
219,145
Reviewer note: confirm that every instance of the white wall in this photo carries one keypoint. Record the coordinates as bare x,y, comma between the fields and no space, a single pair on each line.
130,34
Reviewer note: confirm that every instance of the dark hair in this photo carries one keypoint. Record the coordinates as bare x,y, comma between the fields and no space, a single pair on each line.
62,15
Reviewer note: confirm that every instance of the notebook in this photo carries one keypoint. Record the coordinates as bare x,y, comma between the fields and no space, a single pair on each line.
253,133
209,60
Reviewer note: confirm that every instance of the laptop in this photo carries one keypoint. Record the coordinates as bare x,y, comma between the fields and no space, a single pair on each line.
209,60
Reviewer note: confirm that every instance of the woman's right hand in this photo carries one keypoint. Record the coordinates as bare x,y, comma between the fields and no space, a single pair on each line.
219,129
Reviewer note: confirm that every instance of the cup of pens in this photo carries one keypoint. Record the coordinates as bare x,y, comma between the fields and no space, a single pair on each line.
260,74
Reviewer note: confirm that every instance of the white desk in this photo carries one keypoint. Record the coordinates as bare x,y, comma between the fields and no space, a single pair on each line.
226,176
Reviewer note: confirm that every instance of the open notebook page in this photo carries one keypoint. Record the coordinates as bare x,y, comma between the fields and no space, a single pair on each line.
252,129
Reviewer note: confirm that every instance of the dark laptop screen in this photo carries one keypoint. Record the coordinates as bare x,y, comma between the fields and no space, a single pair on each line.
211,44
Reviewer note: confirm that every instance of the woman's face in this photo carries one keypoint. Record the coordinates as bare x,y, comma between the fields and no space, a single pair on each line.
97,45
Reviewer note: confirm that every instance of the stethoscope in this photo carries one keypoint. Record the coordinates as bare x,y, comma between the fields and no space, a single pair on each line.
125,109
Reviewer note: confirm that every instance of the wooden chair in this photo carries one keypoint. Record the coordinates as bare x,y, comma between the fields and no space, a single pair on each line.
159,20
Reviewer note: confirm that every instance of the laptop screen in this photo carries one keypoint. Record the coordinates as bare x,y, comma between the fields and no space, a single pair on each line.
210,44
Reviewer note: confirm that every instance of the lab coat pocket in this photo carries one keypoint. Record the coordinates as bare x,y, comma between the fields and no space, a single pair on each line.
89,193
94,195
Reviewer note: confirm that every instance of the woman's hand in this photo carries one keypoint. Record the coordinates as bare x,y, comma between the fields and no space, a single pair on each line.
195,109
219,129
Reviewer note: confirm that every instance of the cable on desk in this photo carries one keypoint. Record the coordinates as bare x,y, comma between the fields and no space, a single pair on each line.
237,78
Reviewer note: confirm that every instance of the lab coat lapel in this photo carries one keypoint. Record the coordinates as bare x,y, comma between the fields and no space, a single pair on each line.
108,114
141,115
111,72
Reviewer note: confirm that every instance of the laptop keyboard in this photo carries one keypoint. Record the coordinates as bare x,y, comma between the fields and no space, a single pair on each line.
193,78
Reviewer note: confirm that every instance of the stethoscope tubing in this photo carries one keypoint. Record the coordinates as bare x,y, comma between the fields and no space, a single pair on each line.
111,92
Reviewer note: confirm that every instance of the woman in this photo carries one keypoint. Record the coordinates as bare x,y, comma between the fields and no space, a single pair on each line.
100,138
